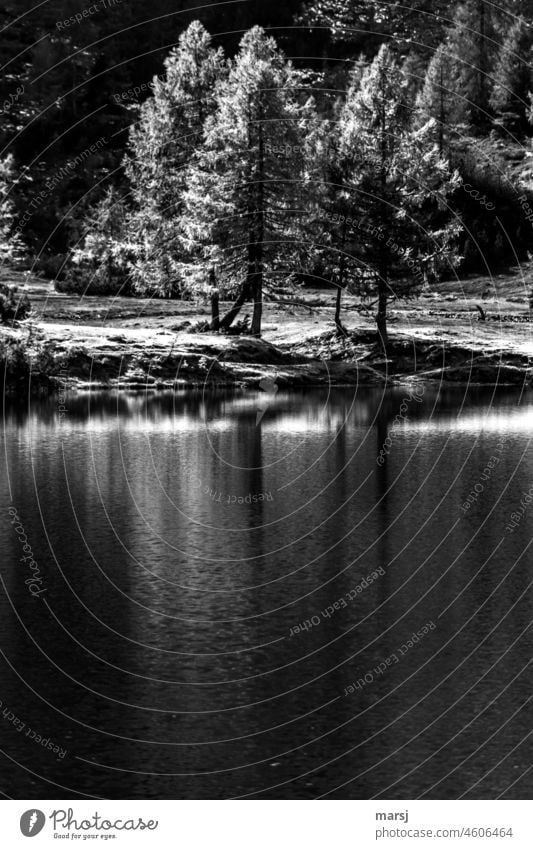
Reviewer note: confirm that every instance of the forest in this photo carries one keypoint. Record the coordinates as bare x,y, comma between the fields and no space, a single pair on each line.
237,154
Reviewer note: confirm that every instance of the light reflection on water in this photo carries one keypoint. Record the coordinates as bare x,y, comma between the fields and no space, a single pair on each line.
181,540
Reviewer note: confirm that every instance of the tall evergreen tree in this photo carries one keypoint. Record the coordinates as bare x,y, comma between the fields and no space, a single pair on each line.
513,78
244,200
472,45
330,227
161,146
399,186
12,247
102,264
437,101
414,68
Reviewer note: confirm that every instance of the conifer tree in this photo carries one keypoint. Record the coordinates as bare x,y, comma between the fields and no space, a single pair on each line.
414,68
245,194
399,186
331,224
103,262
513,78
12,247
472,45
437,101
161,146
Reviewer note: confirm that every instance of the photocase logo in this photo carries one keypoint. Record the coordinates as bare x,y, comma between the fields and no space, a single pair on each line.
32,822
270,387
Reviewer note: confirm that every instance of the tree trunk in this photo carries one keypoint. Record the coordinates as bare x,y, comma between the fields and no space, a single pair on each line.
442,116
381,318
256,258
215,311
341,330
231,315
258,305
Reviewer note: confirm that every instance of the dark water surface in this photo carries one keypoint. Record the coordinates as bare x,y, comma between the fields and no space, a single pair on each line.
180,538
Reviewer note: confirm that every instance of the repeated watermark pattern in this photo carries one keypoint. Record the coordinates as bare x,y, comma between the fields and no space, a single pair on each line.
136,90
399,419
88,12
479,487
379,670
11,99
516,515
342,602
526,208
35,581
377,232
62,393
226,498
19,725
53,182
476,195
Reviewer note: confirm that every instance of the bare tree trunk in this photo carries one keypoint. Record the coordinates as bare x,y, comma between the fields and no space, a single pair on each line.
381,318
231,315
341,330
442,116
215,311
258,305
259,235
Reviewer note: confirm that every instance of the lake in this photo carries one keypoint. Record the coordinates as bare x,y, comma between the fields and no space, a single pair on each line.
319,594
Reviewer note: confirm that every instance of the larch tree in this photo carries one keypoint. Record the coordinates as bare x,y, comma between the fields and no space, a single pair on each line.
331,225
414,68
12,247
161,146
399,189
245,191
102,261
513,78
472,46
437,101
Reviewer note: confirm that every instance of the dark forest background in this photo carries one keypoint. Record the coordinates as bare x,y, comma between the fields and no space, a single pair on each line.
59,86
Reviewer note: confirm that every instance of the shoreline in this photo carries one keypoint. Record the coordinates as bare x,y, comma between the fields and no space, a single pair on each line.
99,343
244,362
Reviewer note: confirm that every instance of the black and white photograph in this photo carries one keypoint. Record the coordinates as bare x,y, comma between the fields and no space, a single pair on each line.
266,499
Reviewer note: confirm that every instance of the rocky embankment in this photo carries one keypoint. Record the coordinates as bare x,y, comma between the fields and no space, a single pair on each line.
216,361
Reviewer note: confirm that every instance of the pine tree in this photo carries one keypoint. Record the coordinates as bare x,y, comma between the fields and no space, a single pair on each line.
245,195
161,146
472,46
437,100
399,187
513,78
330,228
414,68
102,264
12,248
